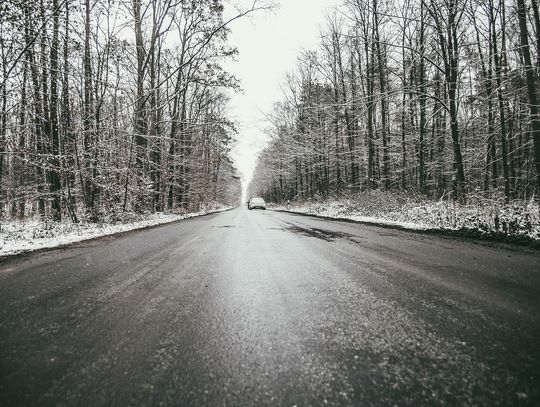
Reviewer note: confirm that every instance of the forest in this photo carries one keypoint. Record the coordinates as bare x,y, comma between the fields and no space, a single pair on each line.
111,107
438,98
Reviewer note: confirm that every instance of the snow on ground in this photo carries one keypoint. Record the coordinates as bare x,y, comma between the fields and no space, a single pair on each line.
481,216
24,236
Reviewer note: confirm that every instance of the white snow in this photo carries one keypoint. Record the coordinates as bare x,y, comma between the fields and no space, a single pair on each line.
24,236
485,216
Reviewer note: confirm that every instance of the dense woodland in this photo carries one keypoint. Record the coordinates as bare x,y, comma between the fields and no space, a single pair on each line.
113,106
437,97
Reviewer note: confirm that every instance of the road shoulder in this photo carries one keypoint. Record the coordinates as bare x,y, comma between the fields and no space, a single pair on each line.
461,234
26,242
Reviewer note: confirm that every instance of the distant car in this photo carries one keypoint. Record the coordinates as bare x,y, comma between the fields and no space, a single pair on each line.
255,203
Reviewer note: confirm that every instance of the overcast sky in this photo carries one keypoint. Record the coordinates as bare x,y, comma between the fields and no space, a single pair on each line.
268,45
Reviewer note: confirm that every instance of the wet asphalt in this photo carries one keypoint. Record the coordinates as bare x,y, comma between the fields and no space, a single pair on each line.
255,308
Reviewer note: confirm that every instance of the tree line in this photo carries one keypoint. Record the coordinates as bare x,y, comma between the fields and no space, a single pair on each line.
109,106
438,97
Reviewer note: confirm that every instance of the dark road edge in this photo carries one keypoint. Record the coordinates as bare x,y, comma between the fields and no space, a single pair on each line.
27,253
471,235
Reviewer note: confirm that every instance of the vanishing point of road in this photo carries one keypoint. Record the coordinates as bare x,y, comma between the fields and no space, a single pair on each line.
255,308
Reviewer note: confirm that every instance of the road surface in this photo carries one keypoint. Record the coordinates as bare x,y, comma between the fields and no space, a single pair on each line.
262,308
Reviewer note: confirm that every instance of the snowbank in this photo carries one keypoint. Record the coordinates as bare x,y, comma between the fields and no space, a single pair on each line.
19,237
480,217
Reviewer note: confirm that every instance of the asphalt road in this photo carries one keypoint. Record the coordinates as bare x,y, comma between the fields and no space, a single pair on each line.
264,308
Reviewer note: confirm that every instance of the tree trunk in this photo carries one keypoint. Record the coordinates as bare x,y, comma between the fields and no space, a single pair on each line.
54,172
139,119
423,101
382,88
531,88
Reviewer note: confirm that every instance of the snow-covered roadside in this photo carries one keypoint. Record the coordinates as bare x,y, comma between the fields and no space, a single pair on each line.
517,221
315,210
19,237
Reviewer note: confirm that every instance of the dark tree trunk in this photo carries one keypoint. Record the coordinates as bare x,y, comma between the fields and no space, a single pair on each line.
423,101
382,88
54,172
531,88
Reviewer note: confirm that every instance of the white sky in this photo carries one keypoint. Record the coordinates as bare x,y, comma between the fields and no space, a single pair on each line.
268,43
